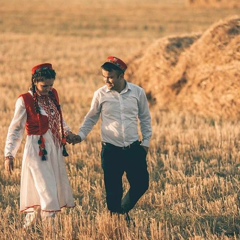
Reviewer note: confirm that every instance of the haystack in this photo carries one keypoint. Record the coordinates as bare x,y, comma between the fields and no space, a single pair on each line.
196,74
153,67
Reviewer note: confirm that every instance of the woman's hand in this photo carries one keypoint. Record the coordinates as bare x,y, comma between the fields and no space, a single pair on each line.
9,164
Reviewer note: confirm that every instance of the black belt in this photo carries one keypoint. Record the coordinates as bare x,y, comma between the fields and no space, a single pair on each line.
122,148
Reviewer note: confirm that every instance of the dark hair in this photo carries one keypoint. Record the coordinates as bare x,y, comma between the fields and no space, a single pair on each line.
111,67
43,74
40,76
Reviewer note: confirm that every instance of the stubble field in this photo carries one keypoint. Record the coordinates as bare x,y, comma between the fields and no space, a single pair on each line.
193,162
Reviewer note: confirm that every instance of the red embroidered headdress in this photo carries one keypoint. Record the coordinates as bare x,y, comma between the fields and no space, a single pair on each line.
116,62
40,67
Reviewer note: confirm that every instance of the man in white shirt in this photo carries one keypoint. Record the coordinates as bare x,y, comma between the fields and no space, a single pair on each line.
121,105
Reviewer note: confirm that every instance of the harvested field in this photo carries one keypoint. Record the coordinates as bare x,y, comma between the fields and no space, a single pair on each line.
187,59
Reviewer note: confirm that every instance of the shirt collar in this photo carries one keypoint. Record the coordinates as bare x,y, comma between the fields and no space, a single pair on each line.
127,87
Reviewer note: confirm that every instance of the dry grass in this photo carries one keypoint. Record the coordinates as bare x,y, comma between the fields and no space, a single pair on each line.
215,3
193,161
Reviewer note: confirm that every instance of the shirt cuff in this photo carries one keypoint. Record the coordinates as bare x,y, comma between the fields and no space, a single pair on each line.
145,143
82,136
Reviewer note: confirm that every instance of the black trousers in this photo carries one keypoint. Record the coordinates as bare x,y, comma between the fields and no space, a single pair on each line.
116,161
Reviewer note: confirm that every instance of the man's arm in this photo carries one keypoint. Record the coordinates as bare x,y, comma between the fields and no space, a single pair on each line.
145,120
91,118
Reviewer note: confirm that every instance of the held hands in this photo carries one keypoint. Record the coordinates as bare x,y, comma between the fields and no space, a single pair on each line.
9,164
73,138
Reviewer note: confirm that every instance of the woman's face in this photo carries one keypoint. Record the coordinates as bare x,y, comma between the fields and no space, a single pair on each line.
44,87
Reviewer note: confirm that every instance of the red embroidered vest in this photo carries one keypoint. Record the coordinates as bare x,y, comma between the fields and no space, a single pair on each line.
36,125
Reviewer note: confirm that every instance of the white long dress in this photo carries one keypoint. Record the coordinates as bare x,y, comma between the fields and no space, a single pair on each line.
43,183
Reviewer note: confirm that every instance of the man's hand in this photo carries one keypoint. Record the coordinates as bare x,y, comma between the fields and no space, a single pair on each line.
9,164
73,138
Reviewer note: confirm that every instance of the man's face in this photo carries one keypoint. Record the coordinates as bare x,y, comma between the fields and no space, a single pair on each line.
111,79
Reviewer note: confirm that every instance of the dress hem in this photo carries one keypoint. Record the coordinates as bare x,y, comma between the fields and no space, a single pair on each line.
34,206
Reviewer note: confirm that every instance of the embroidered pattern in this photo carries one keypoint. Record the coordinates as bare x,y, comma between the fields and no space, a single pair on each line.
53,117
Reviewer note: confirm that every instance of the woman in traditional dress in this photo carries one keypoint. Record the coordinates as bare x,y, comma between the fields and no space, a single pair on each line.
45,187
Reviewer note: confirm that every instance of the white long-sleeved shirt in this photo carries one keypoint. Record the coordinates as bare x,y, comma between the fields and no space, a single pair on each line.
120,114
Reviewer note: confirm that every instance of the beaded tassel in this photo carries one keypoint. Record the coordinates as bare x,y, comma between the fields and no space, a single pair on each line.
64,152
64,141
41,141
42,150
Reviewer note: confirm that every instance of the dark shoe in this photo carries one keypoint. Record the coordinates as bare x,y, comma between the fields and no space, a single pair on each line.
129,220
